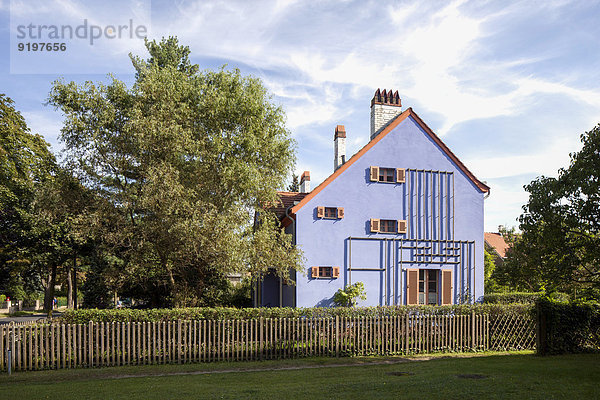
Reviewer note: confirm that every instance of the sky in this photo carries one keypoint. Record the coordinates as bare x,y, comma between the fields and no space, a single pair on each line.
509,86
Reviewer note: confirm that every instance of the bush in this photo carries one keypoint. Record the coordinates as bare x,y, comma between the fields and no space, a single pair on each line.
567,327
348,296
520,297
165,314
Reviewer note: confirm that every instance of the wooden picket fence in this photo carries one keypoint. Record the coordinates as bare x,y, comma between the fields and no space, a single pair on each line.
54,346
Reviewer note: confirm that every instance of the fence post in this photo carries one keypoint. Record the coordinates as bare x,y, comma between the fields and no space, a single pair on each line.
473,331
260,339
337,335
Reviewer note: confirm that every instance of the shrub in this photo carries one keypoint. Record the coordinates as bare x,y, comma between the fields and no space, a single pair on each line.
348,296
165,314
567,327
520,297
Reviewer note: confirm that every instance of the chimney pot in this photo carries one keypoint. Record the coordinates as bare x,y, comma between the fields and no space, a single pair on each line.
385,106
339,147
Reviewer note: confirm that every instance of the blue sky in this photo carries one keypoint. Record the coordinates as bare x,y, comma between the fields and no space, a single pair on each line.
508,85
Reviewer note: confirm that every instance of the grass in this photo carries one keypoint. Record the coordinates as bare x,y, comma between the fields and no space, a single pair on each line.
493,376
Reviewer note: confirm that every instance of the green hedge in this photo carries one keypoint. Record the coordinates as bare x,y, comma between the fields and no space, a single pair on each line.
567,327
165,314
520,297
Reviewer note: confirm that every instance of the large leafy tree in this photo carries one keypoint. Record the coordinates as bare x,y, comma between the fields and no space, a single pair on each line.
26,163
559,248
183,158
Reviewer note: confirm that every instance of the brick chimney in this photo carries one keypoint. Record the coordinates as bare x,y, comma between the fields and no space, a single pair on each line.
305,182
339,147
384,107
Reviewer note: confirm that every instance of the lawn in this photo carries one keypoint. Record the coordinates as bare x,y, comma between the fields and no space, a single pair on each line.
492,376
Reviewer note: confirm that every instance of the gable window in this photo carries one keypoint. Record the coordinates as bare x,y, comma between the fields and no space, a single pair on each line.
330,212
326,272
388,175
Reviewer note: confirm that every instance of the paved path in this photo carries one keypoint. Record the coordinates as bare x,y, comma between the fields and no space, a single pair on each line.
27,318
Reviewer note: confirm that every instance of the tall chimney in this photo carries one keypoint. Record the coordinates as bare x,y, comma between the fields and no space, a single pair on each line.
305,182
339,147
384,107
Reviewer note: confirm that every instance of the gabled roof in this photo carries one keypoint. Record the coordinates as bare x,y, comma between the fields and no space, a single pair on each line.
394,123
286,199
497,242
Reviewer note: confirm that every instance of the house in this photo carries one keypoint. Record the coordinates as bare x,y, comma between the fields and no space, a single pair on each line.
496,245
403,215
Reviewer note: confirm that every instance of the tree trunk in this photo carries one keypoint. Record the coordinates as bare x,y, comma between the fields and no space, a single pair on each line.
49,290
75,305
69,285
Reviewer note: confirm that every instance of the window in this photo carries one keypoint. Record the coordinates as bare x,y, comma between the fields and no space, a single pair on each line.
330,212
389,175
387,226
326,272
428,286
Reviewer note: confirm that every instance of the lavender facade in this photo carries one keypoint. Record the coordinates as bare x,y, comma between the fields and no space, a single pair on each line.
403,215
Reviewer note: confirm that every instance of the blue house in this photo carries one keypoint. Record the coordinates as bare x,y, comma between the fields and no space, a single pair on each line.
403,215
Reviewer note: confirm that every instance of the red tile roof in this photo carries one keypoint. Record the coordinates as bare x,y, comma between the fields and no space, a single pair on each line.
497,241
287,199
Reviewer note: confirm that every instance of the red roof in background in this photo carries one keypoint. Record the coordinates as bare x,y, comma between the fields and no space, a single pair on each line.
497,241
287,199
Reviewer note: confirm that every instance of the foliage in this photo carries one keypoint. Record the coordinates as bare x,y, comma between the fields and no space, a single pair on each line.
559,248
294,185
568,327
519,297
165,314
26,164
348,296
489,265
179,161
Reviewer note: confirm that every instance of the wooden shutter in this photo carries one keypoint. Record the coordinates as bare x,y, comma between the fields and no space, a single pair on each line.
374,225
401,226
335,273
400,175
374,174
314,272
446,286
320,212
340,212
412,286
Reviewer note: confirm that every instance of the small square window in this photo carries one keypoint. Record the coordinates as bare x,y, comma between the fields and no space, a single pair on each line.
388,226
325,272
331,212
387,175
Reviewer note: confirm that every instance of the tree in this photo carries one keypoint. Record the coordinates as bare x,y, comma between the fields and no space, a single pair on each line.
182,158
294,185
26,163
559,248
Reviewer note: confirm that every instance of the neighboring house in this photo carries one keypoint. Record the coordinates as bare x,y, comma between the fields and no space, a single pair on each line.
403,215
496,245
